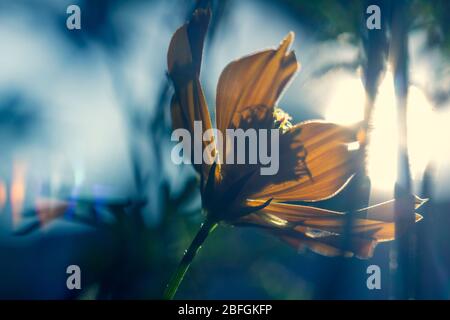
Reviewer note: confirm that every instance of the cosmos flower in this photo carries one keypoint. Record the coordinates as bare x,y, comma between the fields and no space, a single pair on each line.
318,158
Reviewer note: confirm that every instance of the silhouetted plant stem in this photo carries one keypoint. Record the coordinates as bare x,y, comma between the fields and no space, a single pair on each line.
374,57
373,53
429,284
176,279
405,217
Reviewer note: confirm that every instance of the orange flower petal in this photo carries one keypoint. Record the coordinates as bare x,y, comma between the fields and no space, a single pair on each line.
329,161
386,211
257,79
323,230
184,61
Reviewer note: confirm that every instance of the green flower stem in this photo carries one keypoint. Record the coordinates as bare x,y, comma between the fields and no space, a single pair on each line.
172,287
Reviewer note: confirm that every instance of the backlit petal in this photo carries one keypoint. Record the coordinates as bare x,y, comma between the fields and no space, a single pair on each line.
184,61
258,79
321,148
322,230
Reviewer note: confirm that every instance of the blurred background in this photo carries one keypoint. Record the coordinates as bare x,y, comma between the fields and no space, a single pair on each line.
85,170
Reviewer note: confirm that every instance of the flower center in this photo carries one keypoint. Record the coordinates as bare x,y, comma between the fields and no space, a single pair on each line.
282,120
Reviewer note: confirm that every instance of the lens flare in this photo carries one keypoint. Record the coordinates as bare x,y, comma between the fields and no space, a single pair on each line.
18,189
3,195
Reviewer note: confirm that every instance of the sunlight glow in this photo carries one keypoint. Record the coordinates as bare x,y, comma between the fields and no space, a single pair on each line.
347,107
346,104
423,128
382,150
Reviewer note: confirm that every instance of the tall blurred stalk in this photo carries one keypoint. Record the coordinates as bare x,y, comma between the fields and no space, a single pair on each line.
405,217
392,39
374,50
374,57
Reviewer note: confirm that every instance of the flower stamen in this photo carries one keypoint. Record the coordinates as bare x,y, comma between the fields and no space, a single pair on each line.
282,120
